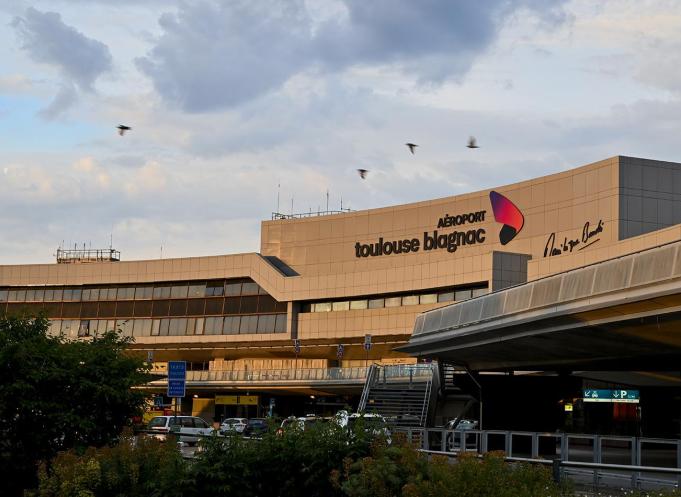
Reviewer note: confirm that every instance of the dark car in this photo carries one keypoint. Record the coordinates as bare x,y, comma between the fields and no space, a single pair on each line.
256,427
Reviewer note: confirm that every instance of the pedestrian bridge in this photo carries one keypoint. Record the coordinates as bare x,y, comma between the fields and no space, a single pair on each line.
621,314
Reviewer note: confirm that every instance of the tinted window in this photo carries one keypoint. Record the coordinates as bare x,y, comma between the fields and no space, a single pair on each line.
157,422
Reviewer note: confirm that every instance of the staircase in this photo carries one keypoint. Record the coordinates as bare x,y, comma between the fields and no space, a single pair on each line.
405,395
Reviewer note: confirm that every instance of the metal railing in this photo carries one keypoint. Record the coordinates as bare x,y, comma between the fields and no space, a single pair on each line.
355,375
300,215
639,460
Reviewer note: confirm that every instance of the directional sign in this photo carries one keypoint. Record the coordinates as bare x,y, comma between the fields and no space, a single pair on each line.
177,376
602,395
367,342
340,350
296,345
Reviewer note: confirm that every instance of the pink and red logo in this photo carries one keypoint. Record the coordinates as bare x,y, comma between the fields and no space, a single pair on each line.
508,214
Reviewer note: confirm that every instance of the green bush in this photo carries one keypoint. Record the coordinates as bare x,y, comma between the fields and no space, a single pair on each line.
142,468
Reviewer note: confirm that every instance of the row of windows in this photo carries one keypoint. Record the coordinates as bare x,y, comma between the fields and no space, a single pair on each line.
228,325
184,290
390,301
262,304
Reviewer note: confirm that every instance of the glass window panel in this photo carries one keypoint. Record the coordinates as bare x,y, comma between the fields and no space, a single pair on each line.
155,327
214,306
197,290
102,326
191,323
213,326
107,309
84,329
341,306
321,307
281,307
429,298
86,294
76,294
54,328
249,288
215,288
462,295
126,293
178,307
280,325
163,329
70,309
393,301
144,292
49,294
178,327
3,295
358,304
195,307
198,329
160,308
52,309
477,292
266,323
410,300
143,308
21,295
30,295
249,324
249,305
261,291
376,303
231,326
266,304
110,325
232,305
68,296
124,309
233,289
94,293
69,328
179,291
58,294
107,293
12,295
445,297
88,309
162,292
39,294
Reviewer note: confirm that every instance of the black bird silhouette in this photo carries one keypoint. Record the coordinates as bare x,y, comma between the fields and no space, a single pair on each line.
363,173
472,142
122,128
411,146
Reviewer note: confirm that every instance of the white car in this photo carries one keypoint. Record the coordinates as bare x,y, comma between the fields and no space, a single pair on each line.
377,423
190,429
233,425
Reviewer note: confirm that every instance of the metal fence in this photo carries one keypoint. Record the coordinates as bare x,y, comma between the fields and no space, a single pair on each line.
287,375
599,458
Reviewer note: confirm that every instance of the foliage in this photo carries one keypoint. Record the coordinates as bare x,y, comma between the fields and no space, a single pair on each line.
133,468
57,394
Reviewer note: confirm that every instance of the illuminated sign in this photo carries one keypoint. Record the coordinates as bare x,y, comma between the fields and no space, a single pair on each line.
626,396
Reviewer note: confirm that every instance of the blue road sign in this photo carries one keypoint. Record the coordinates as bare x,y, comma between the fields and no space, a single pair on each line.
367,342
340,350
603,395
177,376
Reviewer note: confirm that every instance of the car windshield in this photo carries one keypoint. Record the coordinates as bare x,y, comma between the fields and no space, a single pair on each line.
256,422
157,422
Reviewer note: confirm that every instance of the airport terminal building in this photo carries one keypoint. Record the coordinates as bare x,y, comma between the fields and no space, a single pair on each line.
294,326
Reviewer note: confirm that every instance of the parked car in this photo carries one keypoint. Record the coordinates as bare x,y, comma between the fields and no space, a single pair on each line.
301,423
256,427
189,429
233,425
373,423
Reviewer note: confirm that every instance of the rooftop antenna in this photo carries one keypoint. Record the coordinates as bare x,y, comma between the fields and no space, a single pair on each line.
292,205
327,200
161,251
341,203
278,191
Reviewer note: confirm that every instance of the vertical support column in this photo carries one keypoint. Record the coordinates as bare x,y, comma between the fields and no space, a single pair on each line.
292,310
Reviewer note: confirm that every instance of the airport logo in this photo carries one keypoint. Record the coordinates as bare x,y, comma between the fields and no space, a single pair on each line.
508,214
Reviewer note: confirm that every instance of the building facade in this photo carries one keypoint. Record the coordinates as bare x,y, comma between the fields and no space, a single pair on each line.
288,324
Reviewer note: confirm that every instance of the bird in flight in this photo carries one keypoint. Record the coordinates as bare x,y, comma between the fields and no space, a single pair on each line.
122,128
472,143
363,173
411,146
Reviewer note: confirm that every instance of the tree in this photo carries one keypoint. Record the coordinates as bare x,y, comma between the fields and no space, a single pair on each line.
57,394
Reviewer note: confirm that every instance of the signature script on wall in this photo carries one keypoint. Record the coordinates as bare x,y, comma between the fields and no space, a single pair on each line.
589,236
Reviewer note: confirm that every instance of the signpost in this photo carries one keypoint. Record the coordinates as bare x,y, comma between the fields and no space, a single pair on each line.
602,395
339,351
177,378
296,348
367,348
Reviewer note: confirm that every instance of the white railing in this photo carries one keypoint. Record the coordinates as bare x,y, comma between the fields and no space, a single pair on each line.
354,375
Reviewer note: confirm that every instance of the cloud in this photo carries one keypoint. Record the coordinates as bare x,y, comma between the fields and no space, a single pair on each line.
215,55
79,59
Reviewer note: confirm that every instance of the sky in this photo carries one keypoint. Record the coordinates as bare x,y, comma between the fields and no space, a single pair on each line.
240,108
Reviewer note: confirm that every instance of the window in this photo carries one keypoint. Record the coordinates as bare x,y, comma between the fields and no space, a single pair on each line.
358,304
160,308
141,327
124,309
126,293
341,306
321,307
179,291
178,307
144,292
87,292
249,305
198,328
107,293
163,328
232,305
162,292
143,309
445,297
376,303
49,294
249,288
393,302
266,323
232,324
195,307
429,298
280,325
214,306
480,291
39,294
410,300
155,327
84,329
76,294
17,295
70,310
177,327
3,295
249,324
213,326
125,325
215,288
462,295
58,294
88,310
68,295
107,309
266,304
233,289
197,290
191,323
30,295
